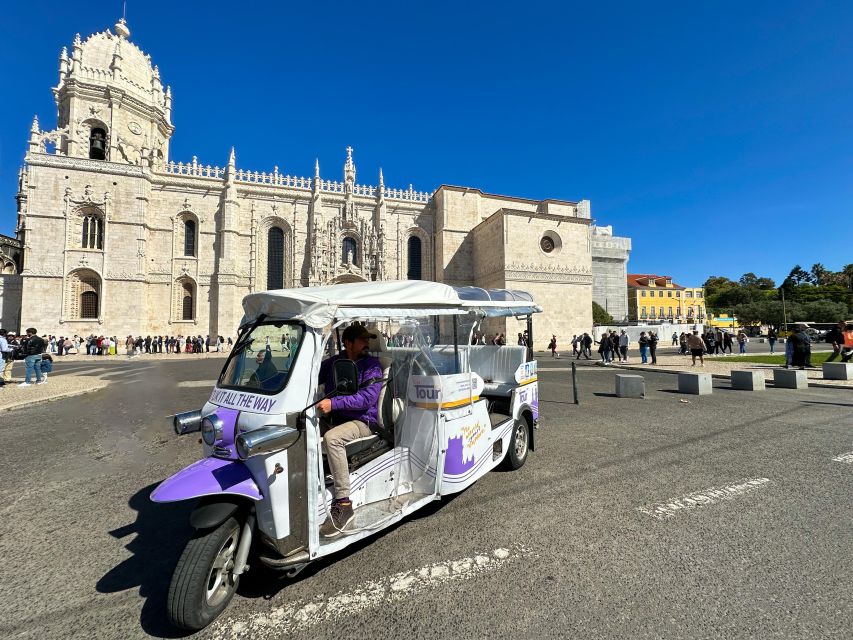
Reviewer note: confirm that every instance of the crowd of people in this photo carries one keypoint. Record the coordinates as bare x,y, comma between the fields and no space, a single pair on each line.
38,352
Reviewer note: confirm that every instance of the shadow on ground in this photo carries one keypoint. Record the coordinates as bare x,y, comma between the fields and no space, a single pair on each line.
156,539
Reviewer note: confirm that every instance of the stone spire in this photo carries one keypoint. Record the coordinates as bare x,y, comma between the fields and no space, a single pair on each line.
167,102
35,132
380,191
349,169
76,53
63,64
316,183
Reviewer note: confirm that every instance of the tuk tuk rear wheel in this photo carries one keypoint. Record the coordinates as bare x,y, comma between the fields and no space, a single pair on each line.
203,582
519,444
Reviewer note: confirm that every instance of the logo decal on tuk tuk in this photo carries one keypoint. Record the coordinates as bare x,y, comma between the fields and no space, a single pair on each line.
242,400
426,392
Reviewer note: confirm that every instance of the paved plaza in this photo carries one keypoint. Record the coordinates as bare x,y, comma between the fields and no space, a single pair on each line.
723,516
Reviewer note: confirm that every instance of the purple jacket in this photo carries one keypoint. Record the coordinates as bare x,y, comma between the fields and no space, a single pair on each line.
362,405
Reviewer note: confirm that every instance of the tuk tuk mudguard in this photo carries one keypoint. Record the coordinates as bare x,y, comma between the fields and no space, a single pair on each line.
208,477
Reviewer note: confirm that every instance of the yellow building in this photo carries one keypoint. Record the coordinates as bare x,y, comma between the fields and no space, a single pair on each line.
653,298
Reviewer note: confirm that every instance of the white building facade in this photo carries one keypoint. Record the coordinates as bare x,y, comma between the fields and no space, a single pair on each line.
119,239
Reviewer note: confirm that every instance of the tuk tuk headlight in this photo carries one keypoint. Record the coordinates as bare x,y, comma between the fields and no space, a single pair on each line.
186,422
211,429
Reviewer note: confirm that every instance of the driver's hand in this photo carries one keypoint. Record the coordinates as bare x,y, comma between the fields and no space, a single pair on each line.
325,406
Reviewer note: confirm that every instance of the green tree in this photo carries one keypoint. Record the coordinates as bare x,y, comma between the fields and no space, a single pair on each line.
820,274
765,283
825,311
599,315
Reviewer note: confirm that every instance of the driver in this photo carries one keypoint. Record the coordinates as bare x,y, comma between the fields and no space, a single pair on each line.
348,418
266,369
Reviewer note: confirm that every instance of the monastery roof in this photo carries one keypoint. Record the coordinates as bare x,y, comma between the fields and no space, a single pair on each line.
99,50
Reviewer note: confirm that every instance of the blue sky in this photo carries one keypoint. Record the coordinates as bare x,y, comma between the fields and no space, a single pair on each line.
719,136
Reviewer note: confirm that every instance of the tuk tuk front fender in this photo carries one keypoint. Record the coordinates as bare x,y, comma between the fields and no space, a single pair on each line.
208,477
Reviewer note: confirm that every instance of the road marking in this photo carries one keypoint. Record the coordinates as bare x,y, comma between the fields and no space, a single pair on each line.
844,457
197,383
298,616
712,495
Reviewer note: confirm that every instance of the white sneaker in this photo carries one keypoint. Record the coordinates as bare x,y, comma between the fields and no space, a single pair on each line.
42,381
24,384
44,376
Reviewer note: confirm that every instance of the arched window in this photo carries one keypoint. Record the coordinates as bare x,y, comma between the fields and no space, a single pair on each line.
189,237
187,306
98,144
93,232
349,251
414,271
275,258
83,295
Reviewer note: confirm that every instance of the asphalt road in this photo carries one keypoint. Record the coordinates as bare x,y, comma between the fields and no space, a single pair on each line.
722,517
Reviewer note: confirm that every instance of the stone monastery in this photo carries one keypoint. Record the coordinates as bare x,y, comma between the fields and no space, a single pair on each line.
118,239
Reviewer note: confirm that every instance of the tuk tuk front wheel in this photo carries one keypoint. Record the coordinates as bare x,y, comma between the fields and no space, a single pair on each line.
204,583
519,444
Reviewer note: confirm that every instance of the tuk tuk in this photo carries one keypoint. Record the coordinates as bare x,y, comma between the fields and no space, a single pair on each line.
448,412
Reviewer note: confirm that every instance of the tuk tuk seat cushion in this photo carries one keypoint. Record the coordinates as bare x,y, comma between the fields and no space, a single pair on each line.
497,366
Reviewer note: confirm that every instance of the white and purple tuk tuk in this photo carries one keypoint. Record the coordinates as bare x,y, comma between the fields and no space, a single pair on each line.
449,412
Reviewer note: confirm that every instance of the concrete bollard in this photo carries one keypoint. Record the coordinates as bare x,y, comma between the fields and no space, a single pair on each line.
837,371
748,380
790,379
630,386
698,384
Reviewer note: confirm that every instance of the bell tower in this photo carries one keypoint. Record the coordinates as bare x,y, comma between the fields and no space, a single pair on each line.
111,104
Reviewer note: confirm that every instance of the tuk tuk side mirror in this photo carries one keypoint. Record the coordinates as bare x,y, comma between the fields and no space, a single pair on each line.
346,377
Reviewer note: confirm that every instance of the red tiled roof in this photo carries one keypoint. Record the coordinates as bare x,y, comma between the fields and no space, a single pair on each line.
641,281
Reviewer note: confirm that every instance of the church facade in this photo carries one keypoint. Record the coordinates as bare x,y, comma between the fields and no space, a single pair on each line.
117,238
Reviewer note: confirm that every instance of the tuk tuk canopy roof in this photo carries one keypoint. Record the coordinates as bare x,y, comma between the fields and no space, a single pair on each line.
318,306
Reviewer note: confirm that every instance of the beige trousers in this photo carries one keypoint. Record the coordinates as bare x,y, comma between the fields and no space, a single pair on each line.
7,370
335,440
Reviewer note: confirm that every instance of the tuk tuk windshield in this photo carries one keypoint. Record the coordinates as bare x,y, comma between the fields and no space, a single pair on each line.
262,359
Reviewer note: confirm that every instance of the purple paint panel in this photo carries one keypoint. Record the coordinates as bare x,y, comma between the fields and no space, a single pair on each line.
454,464
229,430
205,478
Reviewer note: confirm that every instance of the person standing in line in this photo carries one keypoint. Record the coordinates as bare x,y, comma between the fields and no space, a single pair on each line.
741,342
653,346
772,336
34,346
624,341
644,347
7,353
675,338
697,347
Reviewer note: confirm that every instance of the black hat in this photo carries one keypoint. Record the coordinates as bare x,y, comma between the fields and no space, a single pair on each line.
355,331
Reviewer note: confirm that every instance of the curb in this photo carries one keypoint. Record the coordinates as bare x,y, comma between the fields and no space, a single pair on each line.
69,394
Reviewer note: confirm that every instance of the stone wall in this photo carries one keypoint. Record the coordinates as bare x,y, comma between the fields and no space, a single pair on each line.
610,271
10,302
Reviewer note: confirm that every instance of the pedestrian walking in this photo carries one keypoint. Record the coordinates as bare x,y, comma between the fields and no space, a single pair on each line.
575,341
741,342
624,342
553,347
835,337
682,342
697,347
727,342
772,336
586,347
675,338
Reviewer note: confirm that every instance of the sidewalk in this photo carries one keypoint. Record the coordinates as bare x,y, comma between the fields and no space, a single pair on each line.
14,397
674,363
122,357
